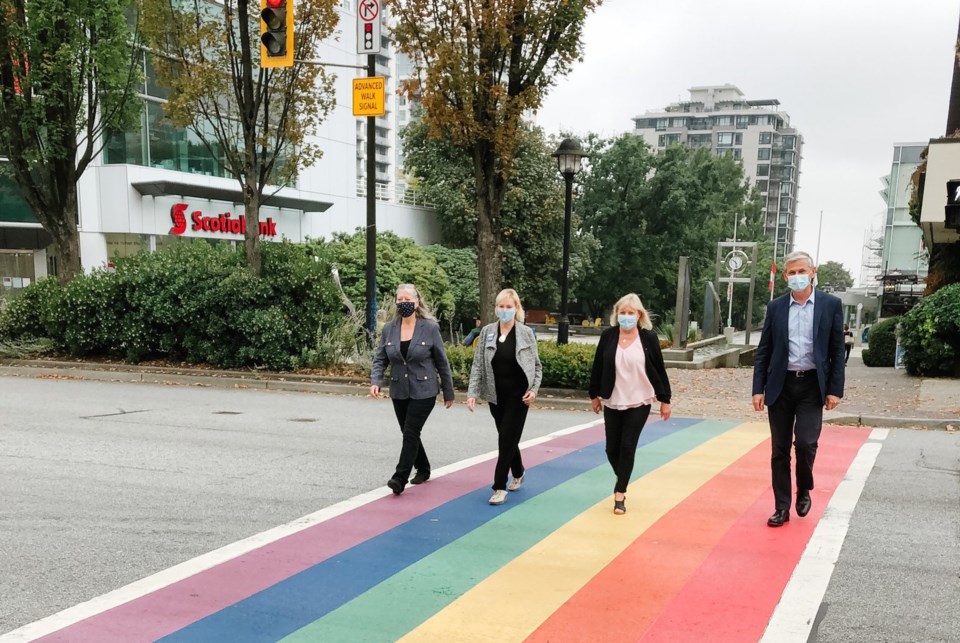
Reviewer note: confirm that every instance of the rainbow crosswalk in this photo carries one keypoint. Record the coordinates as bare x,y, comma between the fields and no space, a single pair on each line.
691,560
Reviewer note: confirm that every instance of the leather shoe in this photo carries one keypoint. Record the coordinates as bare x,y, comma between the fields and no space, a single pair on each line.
803,503
420,477
778,518
396,486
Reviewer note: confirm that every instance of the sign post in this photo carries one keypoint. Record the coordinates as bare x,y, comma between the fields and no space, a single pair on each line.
369,17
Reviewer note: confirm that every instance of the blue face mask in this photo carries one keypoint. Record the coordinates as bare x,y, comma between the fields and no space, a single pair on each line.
627,322
798,283
506,315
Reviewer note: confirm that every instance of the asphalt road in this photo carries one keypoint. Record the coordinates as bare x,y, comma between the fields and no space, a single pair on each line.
102,484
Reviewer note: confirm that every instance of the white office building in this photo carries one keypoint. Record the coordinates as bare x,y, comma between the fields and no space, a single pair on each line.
129,198
757,132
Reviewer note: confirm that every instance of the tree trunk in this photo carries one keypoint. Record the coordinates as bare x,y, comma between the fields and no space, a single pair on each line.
251,210
489,200
66,241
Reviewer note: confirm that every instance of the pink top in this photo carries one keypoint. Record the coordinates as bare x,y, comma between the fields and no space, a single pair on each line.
632,387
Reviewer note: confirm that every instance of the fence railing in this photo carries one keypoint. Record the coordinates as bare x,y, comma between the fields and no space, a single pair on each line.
404,196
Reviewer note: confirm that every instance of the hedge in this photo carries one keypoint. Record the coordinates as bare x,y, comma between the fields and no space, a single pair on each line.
930,334
882,342
193,301
566,366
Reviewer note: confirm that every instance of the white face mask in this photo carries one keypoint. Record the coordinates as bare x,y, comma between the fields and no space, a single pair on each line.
798,283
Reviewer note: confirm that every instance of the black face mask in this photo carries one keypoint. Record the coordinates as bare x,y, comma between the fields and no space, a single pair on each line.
406,308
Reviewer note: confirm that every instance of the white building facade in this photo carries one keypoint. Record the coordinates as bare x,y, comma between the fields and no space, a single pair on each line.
132,197
903,247
756,132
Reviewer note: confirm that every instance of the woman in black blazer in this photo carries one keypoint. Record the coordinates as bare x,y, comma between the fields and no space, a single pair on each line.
628,375
411,343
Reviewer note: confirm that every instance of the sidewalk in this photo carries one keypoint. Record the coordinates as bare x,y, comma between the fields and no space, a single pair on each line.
873,396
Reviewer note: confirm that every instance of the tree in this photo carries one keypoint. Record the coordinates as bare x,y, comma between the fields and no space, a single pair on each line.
833,277
399,261
481,66
257,120
68,73
532,212
646,210
460,264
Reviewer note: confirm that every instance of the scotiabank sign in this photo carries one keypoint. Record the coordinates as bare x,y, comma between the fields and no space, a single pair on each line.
224,223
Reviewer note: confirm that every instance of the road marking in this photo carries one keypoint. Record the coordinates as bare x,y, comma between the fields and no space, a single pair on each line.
177,573
796,613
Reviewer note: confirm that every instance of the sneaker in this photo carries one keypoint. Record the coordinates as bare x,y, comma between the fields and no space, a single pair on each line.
516,483
420,478
499,497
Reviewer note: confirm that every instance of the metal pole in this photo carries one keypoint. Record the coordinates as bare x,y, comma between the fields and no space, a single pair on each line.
753,280
371,213
776,242
819,232
730,287
563,328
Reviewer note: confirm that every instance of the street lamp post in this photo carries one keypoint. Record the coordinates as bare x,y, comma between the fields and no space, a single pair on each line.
568,155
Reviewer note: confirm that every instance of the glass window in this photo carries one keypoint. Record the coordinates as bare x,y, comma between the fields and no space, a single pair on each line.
742,122
910,154
127,147
120,246
723,121
738,139
13,207
663,123
762,186
763,154
153,87
678,122
763,170
766,138
786,189
737,154
789,142
724,139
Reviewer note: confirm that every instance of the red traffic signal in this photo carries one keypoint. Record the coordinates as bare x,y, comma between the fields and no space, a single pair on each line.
276,33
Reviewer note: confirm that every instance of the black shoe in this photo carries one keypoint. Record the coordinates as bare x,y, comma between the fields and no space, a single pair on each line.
779,517
396,486
420,478
803,503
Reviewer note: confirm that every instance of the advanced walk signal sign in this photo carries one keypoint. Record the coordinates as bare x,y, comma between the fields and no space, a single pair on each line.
276,33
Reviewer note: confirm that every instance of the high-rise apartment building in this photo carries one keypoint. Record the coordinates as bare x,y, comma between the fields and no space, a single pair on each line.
757,132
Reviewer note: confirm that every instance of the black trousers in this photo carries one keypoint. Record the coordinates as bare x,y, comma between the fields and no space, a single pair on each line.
623,433
509,415
846,352
412,414
796,415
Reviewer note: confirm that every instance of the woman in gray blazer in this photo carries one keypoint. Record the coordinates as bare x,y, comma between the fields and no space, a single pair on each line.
412,345
506,373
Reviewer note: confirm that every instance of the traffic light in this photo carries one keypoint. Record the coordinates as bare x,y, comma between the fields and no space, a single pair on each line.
276,33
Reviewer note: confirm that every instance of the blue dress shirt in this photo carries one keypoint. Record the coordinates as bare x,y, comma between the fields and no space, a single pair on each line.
800,332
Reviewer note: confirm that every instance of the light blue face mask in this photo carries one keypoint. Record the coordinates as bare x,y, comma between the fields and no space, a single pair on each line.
798,283
506,315
627,322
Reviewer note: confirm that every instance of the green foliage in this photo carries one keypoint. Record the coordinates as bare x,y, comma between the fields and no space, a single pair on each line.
566,366
531,216
25,348
833,277
193,301
399,261
882,342
647,209
930,334
460,265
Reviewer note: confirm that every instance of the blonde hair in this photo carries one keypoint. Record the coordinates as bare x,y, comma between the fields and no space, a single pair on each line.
631,300
512,294
422,310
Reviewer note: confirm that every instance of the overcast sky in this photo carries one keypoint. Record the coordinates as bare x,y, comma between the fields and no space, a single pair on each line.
855,76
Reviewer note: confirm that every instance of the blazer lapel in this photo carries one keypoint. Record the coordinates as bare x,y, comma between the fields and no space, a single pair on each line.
818,301
417,331
785,320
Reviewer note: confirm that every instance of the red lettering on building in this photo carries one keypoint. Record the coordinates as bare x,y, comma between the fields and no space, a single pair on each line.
224,223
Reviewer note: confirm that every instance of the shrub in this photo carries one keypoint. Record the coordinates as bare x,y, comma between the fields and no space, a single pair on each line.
565,366
882,340
192,301
930,334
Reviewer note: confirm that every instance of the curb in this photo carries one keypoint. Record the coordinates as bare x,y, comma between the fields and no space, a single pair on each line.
549,398
559,399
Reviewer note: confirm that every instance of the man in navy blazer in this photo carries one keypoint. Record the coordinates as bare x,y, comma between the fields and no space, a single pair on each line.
799,370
